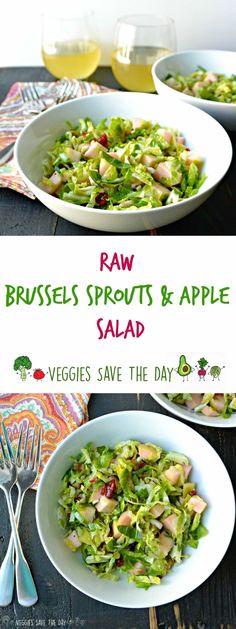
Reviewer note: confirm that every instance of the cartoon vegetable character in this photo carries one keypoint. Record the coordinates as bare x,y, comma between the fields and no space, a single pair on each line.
202,362
215,372
39,374
184,369
22,364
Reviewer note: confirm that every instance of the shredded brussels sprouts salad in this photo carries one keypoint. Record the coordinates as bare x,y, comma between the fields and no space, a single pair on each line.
208,404
130,509
203,84
121,165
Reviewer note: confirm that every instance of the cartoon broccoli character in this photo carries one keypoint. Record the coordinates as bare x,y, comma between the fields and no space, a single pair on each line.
22,364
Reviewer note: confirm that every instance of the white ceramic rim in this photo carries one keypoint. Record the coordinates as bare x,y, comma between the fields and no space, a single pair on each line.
88,210
190,99
100,419
191,416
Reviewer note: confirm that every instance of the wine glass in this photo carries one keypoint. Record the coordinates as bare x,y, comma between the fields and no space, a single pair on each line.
138,42
69,46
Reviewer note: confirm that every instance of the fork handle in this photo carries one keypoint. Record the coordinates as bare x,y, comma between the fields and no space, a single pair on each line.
26,590
7,570
6,153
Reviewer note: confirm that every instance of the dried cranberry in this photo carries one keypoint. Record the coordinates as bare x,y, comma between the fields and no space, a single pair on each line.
109,489
141,464
103,140
84,133
193,492
101,199
187,149
119,562
93,480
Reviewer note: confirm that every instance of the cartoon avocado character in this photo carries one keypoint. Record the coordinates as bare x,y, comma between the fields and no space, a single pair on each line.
184,369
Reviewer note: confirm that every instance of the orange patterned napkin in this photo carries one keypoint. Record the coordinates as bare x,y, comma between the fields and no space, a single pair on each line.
58,414
13,120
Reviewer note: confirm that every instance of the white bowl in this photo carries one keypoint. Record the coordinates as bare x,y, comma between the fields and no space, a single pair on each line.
191,416
185,62
213,483
201,132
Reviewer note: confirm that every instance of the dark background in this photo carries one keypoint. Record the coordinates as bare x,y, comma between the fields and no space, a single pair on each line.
22,216
211,606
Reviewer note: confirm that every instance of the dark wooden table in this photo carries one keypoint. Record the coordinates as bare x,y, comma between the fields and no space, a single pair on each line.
20,215
211,606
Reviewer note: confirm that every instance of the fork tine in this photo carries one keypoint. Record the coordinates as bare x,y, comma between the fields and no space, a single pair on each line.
31,456
5,459
38,452
9,448
26,447
19,449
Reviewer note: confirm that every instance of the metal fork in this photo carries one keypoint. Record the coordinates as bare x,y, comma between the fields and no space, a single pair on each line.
35,104
34,101
24,472
67,91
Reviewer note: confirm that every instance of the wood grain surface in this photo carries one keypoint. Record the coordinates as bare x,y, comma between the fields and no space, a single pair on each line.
20,215
211,606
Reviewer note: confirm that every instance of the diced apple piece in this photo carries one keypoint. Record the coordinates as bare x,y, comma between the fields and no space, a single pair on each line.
197,504
53,183
186,469
210,77
87,512
56,179
94,150
209,412
96,495
72,154
72,541
103,166
106,505
164,172
149,160
167,135
170,523
138,123
218,403
190,157
125,519
197,86
138,568
115,155
180,139
84,147
157,510
166,543
147,453
195,401
172,474
115,532
161,191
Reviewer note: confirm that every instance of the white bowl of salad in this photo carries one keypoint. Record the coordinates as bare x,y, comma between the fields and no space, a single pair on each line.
127,517
123,162
217,410
203,78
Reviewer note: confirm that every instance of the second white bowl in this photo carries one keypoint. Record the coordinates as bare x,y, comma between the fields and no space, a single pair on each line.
186,62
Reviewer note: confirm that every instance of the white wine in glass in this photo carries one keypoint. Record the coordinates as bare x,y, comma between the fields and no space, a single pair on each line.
69,47
139,41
